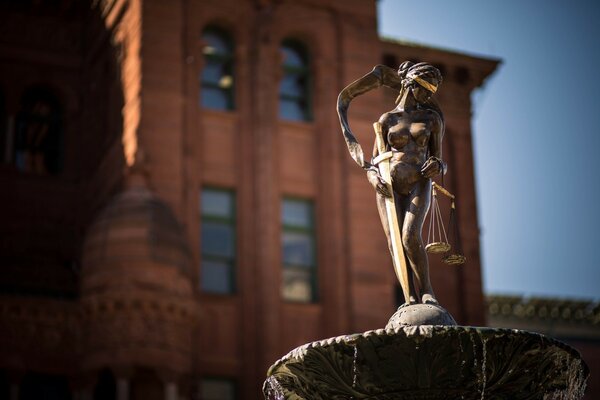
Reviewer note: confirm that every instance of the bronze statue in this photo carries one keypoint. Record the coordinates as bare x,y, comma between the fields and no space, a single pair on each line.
406,155
422,352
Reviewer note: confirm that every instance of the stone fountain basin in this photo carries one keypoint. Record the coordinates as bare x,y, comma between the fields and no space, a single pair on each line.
430,362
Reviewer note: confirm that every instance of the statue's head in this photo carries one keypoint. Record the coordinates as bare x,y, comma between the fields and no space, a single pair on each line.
421,79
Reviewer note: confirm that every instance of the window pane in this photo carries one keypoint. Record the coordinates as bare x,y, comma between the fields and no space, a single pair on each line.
217,389
217,73
217,203
213,72
292,57
217,277
293,90
292,85
291,110
215,99
218,239
226,82
297,213
216,43
298,249
37,143
297,285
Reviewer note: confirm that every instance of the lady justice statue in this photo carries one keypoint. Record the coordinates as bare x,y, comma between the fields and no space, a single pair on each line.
438,359
406,155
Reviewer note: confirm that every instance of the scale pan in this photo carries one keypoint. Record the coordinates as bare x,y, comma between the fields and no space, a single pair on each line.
455,259
438,247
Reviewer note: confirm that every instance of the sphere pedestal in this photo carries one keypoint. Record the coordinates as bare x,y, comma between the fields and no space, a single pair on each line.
429,362
420,314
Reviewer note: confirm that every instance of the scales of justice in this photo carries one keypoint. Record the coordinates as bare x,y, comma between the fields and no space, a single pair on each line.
421,353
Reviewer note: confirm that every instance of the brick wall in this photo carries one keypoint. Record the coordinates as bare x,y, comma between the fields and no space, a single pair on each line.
133,86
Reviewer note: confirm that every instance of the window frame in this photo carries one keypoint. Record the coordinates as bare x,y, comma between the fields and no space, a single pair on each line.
55,121
227,61
230,222
311,232
304,72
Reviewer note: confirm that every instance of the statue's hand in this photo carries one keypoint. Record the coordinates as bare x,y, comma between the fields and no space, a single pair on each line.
378,183
432,167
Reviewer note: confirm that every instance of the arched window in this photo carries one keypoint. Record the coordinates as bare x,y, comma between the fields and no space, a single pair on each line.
294,91
217,76
38,135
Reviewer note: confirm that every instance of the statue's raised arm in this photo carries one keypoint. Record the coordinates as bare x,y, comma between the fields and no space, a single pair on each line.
381,75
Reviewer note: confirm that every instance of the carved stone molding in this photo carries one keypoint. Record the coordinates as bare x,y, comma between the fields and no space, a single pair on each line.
148,307
39,333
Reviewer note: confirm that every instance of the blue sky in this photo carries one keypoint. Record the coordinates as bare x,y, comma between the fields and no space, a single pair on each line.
536,132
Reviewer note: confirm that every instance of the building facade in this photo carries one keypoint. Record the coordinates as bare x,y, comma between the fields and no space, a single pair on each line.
179,208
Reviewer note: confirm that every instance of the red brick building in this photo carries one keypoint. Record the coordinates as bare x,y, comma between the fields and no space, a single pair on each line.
178,206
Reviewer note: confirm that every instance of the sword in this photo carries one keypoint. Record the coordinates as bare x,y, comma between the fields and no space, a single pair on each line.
383,164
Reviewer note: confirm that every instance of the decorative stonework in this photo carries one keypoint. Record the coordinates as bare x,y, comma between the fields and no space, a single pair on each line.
136,284
565,318
430,362
151,307
40,333
58,335
136,227
565,310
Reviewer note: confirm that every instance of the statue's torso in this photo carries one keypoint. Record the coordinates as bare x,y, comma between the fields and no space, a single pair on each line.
408,135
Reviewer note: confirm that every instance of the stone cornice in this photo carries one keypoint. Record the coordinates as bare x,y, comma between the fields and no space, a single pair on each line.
568,318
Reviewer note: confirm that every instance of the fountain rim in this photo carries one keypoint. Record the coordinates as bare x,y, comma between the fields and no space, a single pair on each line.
423,332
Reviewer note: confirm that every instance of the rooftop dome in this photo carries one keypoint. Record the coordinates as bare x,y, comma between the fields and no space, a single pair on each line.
136,286
136,241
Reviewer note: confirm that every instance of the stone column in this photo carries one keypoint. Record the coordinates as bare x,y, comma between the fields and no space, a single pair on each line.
14,391
83,395
171,391
122,388
86,394
14,379
82,385
123,378
169,379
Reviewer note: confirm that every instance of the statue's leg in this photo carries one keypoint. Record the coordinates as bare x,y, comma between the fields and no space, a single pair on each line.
416,206
381,207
